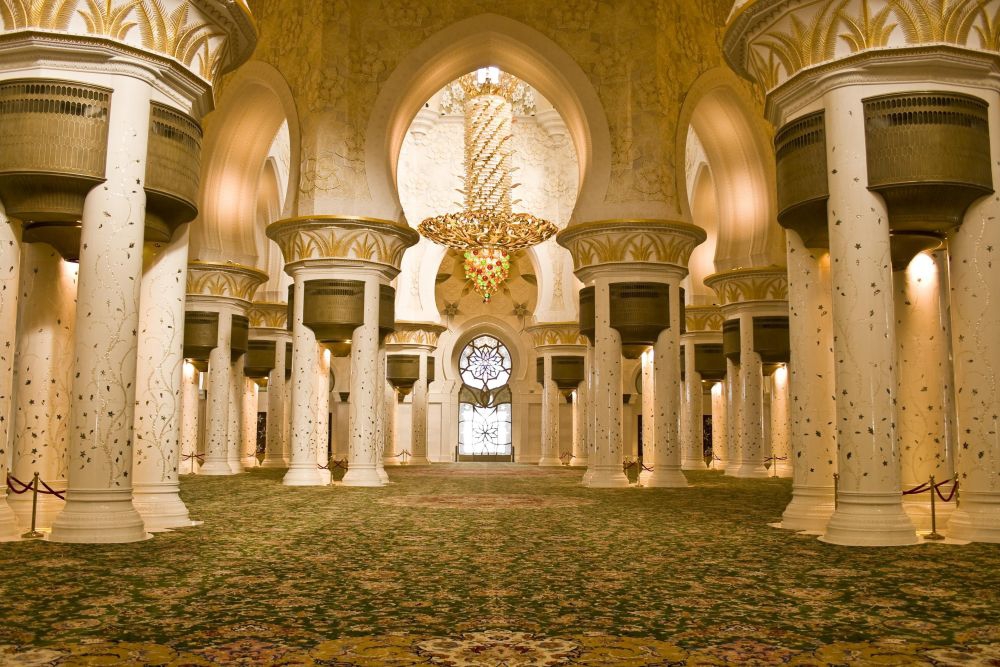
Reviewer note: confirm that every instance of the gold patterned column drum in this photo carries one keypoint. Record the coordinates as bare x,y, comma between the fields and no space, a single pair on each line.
173,171
800,154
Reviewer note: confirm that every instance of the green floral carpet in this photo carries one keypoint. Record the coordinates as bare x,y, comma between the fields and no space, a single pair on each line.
484,564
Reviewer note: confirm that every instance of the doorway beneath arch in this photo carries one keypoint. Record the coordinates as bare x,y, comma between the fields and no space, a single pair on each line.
485,414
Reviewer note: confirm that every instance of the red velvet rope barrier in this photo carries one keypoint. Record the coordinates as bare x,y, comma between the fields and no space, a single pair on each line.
340,464
954,490
917,489
49,491
188,457
323,467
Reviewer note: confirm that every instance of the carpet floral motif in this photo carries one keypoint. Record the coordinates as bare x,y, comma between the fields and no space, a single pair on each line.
567,576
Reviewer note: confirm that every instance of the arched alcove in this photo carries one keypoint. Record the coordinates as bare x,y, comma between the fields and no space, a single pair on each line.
738,149
240,134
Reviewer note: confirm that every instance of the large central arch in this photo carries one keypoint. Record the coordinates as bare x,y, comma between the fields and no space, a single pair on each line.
490,39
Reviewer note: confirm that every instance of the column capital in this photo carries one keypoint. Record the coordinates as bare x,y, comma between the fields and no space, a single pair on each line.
703,319
421,336
269,315
631,244
225,284
342,241
751,290
558,338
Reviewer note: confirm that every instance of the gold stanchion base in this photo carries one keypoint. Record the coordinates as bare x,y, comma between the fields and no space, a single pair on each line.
32,535
933,536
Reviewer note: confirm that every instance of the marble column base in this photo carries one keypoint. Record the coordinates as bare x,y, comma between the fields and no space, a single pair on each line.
749,471
664,477
870,520
161,508
49,508
578,462
718,466
326,476
392,460
731,468
274,463
784,470
236,467
643,476
217,467
977,519
189,467
9,529
918,508
382,474
418,461
810,509
693,464
303,475
101,516
249,462
359,474
549,462
606,477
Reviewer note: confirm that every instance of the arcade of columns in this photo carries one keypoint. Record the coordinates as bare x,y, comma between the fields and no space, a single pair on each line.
872,357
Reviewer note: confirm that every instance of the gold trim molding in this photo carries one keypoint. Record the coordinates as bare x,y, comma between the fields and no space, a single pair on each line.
742,286
626,241
230,280
342,237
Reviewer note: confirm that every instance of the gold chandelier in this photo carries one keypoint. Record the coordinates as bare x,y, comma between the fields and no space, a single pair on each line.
487,231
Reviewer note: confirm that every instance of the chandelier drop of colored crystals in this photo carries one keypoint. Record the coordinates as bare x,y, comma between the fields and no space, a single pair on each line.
487,230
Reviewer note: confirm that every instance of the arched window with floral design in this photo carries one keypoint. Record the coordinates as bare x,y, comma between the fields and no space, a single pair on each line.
484,423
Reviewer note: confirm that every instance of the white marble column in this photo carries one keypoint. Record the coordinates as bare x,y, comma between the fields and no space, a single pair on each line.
44,371
648,383
752,449
733,418
812,404
366,396
217,409
419,408
781,463
923,337
274,455
605,465
99,501
189,420
590,432
693,457
579,426
869,510
323,416
302,469
235,432
719,435
666,379
159,370
550,416
249,434
975,290
10,255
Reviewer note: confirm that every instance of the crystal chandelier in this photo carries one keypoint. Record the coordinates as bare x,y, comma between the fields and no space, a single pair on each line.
487,231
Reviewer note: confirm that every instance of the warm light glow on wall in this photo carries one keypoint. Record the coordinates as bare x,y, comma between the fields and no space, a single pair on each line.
780,376
326,357
189,370
717,390
921,269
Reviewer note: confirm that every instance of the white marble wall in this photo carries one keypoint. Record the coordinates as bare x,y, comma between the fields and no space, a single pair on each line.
237,414
322,423
190,420
869,510
550,417
648,400
276,449
99,503
781,424
10,256
44,376
733,418
248,437
693,456
217,407
579,426
719,428
159,370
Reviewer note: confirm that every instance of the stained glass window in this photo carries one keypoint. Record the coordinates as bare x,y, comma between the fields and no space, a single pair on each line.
484,427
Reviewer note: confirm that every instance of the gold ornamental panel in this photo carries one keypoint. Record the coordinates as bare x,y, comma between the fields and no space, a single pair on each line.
343,238
750,285
928,156
261,358
201,334
173,170
423,334
386,310
639,311
239,337
233,281
402,371
631,241
710,361
559,333
803,189
333,308
588,314
771,339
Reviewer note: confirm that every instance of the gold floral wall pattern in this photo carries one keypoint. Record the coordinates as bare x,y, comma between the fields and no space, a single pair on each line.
343,51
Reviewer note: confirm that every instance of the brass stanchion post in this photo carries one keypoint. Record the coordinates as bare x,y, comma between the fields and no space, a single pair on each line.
933,535
33,534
